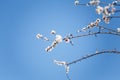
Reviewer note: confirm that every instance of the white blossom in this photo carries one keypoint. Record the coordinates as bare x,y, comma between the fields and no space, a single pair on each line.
49,48
97,22
106,19
53,32
113,10
114,3
67,40
45,38
78,30
118,29
99,9
58,38
76,2
62,63
39,36
106,11
91,25
84,29
94,2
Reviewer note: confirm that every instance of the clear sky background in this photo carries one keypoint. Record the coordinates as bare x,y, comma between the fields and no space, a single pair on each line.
22,56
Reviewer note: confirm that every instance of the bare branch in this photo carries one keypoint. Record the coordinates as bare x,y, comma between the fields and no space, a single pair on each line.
94,33
94,54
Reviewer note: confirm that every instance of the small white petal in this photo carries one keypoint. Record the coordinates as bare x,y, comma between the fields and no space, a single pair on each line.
45,38
48,49
118,29
94,2
78,30
96,23
39,36
58,38
76,2
106,19
53,32
67,40
84,29
60,63
99,9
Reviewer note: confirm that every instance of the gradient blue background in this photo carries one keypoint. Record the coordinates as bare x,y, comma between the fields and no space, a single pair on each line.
22,56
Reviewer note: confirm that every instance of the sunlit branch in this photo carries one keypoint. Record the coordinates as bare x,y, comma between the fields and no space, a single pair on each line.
94,54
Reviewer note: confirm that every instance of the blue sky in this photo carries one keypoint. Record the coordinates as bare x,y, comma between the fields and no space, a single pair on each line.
22,56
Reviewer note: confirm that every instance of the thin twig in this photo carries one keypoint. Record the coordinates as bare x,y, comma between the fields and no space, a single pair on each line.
117,11
94,33
117,5
109,29
68,77
82,4
94,54
114,16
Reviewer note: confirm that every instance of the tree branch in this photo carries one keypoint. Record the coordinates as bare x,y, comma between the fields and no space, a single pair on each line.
94,33
94,54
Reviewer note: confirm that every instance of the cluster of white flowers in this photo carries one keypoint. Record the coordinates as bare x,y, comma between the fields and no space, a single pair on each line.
92,24
107,11
40,36
58,39
94,2
76,2
62,63
118,29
